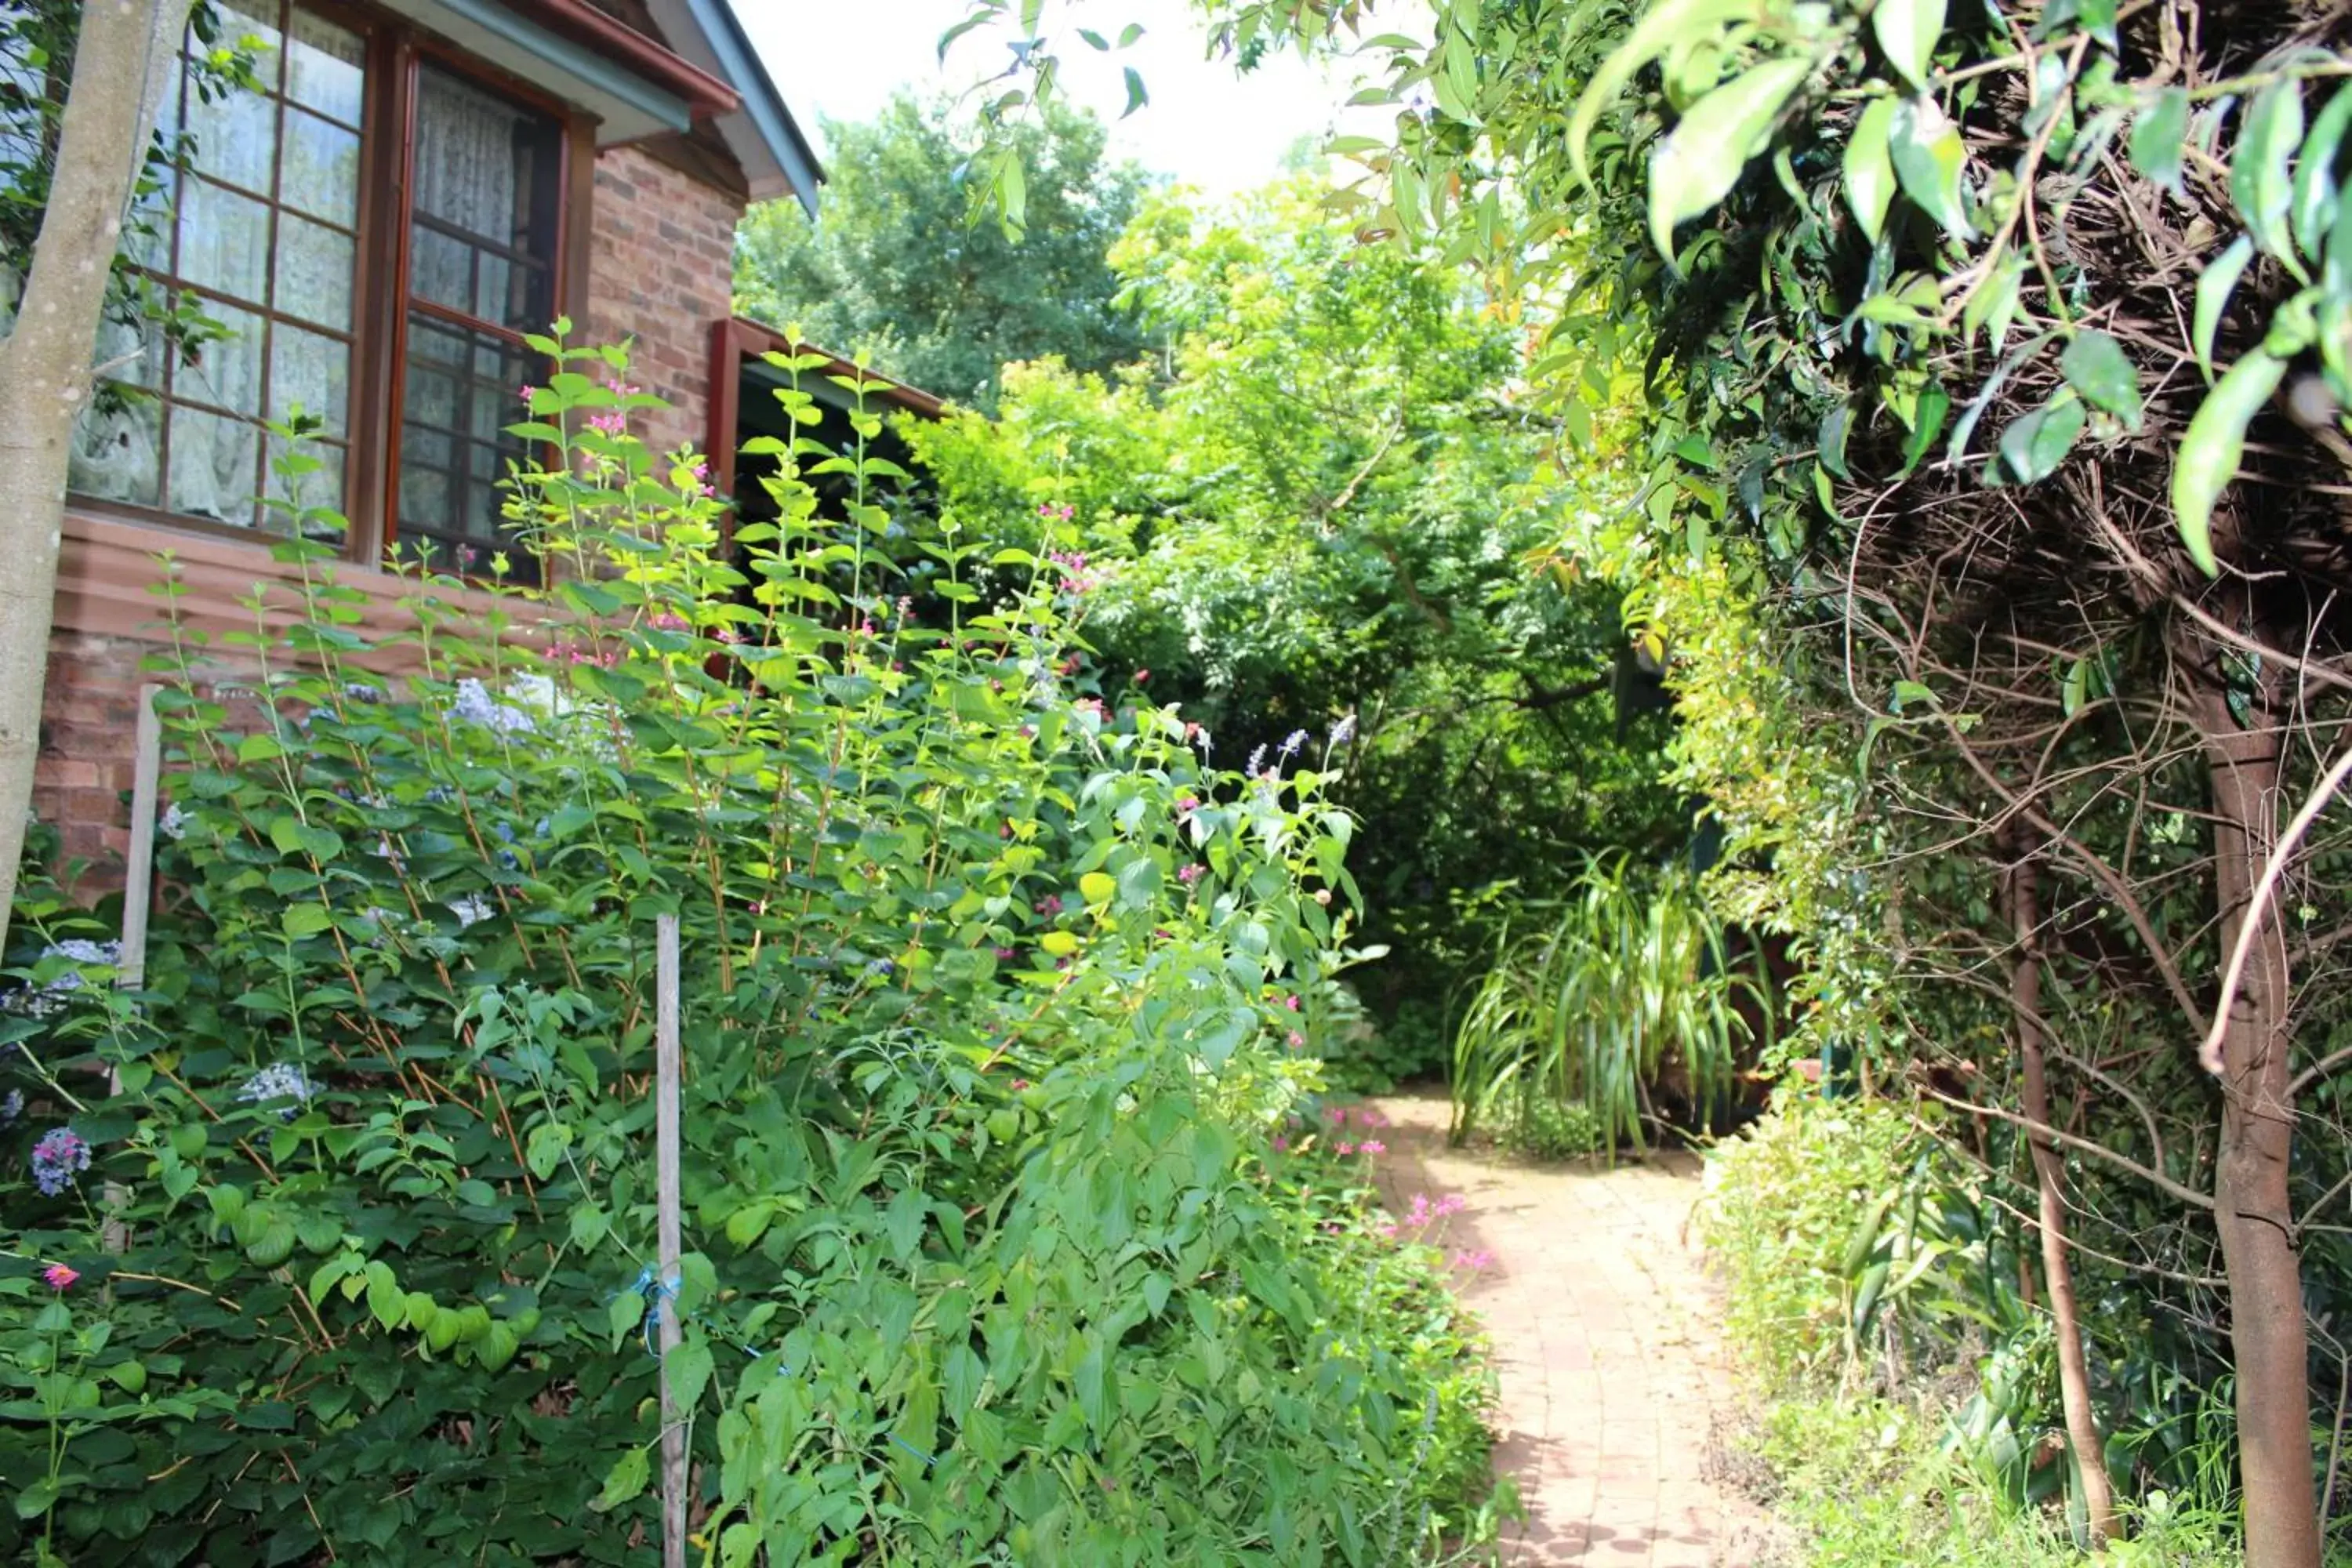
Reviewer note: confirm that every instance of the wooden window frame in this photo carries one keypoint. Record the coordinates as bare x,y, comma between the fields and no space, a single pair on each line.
395,52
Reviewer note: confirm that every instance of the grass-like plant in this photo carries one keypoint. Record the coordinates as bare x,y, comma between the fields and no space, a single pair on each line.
1628,984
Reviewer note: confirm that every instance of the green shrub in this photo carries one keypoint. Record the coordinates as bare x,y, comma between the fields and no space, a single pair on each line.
992,995
1867,1484
1784,1202
1546,1130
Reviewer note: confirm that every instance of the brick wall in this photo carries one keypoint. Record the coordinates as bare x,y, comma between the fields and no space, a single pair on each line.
88,717
662,270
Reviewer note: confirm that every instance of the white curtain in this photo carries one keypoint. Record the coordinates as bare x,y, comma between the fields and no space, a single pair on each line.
465,176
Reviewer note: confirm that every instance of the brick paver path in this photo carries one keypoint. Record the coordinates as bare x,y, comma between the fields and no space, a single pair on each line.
1602,1327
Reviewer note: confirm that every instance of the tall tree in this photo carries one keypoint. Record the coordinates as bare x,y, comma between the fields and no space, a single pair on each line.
82,160
944,303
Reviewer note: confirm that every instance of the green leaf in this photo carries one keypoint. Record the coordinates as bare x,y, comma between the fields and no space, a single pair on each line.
2095,365
2210,451
2259,181
751,1222
1702,158
1662,27
622,1482
1136,97
2213,289
1926,423
2317,191
304,919
623,1314
1907,31
2159,136
688,1369
1869,172
1928,156
2035,443
37,1499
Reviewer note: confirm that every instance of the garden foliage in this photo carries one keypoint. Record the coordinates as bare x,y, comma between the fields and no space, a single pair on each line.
994,996
1322,505
1983,373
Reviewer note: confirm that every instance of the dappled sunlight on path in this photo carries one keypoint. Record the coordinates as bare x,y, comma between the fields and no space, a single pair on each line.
1604,1330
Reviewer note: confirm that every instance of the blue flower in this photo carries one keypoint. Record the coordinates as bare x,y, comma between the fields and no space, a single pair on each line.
475,704
279,1080
11,1107
60,1153
1344,731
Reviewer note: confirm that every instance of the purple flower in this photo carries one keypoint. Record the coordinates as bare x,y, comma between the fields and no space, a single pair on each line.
1005,954
60,1153
1292,741
1257,762
1344,731
1189,874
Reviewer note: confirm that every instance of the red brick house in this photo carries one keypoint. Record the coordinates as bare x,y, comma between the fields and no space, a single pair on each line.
422,182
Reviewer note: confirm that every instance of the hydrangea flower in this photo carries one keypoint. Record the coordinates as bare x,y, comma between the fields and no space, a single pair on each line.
60,1153
471,909
279,1080
475,704
174,823
51,995
11,1107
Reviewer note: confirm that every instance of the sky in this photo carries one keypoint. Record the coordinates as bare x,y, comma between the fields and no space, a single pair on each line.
1204,125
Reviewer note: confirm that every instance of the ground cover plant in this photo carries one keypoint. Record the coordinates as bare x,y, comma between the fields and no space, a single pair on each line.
997,998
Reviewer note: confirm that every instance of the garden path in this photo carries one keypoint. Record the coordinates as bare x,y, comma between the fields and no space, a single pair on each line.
1613,1377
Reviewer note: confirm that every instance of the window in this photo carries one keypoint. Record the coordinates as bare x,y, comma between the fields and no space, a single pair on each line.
485,223
346,306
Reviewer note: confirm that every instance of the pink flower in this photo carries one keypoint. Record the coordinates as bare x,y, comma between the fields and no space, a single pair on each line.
1281,1143
667,621
1186,804
1344,1149
58,1276
1336,1116
1372,1146
1190,874
1474,1260
1297,1039
1019,1084
528,393
1291,1003
1141,676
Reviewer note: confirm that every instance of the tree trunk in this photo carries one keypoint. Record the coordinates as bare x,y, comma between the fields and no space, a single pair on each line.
125,58
2251,1203
2049,1180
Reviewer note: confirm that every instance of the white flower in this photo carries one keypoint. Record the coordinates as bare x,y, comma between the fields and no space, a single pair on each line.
174,823
471,909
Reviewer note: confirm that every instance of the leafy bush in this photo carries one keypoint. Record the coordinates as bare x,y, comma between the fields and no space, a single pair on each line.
1548,1129
1867,1485
1784,1216
1628,985
992,995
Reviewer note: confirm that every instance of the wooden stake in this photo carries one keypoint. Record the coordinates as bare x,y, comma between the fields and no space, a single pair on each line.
138,898
666,1073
